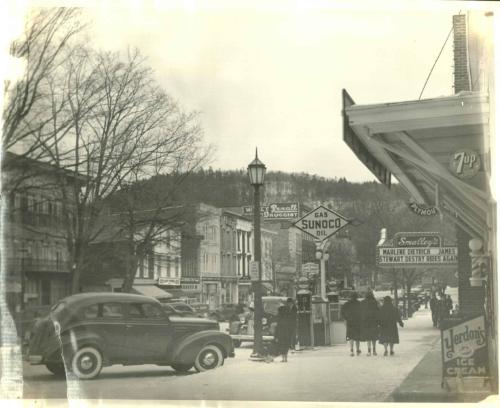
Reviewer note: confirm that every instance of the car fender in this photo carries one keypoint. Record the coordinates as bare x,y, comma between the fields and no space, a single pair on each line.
186,350
70,341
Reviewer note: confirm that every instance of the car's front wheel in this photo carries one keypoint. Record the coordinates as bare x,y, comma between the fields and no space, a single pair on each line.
182,367
208,358
56,369
87,363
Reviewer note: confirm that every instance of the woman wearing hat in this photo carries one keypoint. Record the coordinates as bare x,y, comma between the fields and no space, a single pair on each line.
370,322
352,315
389,318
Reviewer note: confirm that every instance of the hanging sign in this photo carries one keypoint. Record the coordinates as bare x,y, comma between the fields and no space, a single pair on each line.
423,210
322,223
464,348
416,249
465,163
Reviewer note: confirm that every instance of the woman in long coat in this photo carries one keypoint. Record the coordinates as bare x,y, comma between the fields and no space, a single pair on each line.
282,333
351,313
389,318
369,322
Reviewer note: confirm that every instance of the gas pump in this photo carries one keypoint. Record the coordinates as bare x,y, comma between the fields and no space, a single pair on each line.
304,315
337,324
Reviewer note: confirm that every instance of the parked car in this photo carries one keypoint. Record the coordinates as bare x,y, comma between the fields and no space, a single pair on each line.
201,308
89,331
242,330
226,312
180,309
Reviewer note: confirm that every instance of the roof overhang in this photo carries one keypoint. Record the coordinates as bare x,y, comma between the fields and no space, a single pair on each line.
416,141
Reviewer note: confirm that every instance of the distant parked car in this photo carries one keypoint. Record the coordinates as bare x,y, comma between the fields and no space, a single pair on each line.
89,331
201,308
226,312
242,329
180,309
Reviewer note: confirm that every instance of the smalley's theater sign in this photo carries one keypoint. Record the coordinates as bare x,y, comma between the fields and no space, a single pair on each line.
416,249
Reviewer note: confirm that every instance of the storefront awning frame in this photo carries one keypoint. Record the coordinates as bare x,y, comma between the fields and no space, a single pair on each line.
393,134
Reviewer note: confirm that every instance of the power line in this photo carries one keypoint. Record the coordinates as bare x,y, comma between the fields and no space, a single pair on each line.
436,60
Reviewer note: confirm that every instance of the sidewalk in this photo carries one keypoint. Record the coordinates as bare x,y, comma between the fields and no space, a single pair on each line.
325,374
423,384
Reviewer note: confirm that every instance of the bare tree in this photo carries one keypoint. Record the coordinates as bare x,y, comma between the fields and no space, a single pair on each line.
112,125
42,47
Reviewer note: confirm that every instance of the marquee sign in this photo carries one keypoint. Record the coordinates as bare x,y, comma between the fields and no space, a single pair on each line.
464,348
416,249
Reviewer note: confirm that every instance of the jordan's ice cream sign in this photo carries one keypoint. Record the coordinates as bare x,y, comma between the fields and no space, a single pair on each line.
464,349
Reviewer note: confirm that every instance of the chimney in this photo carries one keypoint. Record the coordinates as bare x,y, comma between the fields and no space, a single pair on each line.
460,68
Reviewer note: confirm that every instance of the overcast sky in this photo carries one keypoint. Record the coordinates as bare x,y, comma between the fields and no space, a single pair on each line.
270,74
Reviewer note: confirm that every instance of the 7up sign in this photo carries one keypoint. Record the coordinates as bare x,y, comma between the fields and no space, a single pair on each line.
321,223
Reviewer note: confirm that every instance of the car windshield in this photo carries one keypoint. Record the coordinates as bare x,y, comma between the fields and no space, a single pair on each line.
271,306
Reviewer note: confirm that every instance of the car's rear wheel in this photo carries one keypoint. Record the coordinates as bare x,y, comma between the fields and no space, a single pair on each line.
208,358
87,363
182,367
236,343
56,369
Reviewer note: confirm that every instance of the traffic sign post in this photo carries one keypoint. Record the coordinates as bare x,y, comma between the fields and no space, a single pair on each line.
321,223
254,271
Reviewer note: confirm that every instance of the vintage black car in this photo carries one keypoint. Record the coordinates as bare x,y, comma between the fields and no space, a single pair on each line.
85,332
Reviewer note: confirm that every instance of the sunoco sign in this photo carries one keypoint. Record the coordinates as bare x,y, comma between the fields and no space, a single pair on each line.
464,348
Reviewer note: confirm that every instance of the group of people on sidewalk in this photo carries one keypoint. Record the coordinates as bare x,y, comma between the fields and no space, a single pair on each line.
367,321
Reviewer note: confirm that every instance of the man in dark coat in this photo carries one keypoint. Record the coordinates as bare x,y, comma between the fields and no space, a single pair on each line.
292,321
282,333
389,317
351,313
369,322
434,303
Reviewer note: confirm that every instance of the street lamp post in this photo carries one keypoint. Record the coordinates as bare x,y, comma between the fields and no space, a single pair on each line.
256,173
322,255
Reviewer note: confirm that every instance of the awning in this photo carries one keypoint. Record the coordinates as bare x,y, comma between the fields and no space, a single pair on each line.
418,142
152,291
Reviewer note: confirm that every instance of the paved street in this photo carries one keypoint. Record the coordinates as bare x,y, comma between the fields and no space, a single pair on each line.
323,374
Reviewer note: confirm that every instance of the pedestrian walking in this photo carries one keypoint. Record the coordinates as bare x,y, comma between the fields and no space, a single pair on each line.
351,313
369,322
434,304
292,322
449,305
443,311
282,333
389,318
426,299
